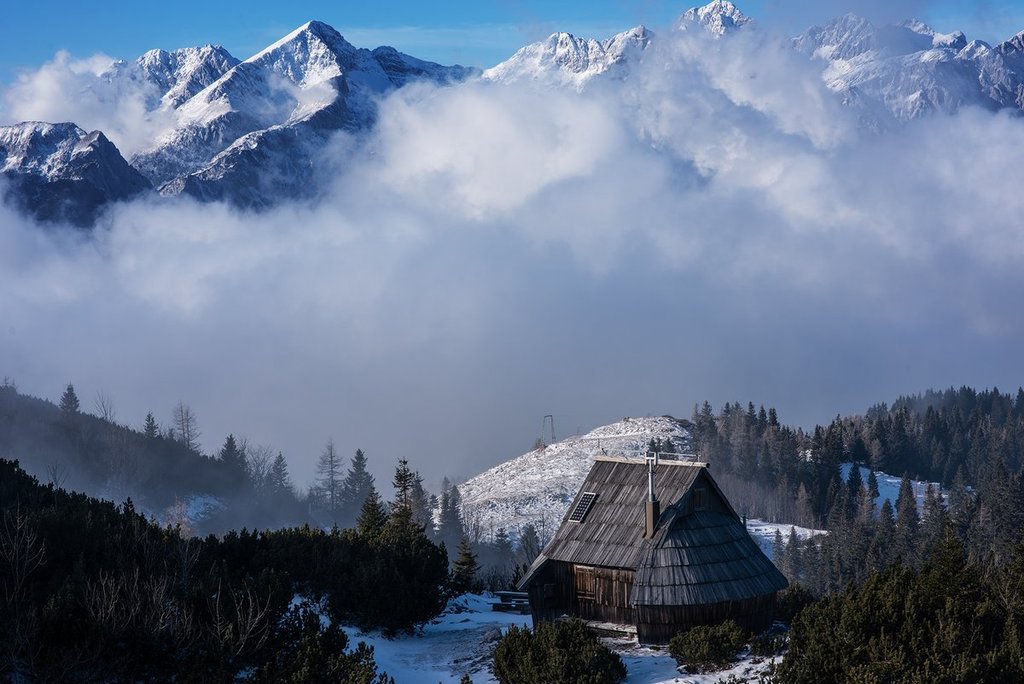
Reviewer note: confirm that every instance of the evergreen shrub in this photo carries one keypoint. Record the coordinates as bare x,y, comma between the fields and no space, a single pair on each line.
562,652
707,648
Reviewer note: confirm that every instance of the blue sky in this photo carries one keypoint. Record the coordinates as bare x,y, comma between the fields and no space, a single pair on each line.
476,33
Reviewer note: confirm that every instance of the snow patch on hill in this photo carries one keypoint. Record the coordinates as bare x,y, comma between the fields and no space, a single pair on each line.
538,486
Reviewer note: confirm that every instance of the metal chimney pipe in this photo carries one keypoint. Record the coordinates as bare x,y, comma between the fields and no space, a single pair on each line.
652,509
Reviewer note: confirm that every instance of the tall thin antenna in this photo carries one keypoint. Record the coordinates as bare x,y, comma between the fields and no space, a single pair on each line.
544,424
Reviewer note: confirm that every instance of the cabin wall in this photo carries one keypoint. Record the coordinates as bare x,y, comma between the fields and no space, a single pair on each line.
658,624
550,592
601,594
586,592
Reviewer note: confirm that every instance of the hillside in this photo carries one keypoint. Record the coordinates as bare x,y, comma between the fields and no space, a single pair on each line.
537,487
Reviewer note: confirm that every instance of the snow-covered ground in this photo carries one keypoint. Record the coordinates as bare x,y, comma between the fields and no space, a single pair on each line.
764,534
538,486
461,640
889,486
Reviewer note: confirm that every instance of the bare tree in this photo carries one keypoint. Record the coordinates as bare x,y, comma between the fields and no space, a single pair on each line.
21,552
57,474
259,460
186,428
105,407
329,478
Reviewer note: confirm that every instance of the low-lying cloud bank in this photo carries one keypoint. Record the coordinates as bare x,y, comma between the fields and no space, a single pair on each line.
716,229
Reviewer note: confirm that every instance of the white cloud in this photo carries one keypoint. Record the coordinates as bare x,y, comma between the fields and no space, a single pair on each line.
91,94
495,253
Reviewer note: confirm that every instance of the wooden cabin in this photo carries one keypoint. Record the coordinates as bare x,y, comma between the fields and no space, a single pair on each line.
655,544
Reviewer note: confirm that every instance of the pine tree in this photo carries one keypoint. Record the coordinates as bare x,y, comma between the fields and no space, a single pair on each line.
373,516
792,558
465,569
778,551
150,429
69,401
355,487
422,505
934,521
451,528
233,460
279,482
401,507
906,522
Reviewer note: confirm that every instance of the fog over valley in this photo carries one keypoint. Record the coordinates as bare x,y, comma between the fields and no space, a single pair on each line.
716,225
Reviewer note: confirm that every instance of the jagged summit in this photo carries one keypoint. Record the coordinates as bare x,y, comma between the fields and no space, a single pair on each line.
312,79
564,58
180,74
897,72
718,17
59,172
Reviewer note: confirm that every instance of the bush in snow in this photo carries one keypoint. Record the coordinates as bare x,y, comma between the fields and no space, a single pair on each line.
708,647
556,652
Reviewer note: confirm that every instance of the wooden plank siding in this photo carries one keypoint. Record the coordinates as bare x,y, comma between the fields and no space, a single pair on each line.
658,624
602,594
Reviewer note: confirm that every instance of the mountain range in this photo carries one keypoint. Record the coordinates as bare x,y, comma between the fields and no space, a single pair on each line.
246,132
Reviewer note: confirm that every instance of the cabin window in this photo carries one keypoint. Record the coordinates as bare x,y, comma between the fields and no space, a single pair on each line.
583,579
700,499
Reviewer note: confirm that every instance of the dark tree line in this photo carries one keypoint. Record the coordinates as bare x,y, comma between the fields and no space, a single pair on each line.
969,441
90,591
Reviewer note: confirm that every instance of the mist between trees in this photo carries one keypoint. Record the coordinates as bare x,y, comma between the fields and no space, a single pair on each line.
969,441
163,471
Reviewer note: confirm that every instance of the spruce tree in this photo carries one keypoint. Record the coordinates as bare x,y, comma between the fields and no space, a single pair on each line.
279,482
792,558
233,459
465,569
402,517
373,516
69,401
150,429
450,529
355,487
906,522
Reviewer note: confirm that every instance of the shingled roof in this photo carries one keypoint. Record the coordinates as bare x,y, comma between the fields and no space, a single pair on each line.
698,557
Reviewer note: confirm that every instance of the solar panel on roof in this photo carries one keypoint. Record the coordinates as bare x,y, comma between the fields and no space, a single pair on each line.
582,506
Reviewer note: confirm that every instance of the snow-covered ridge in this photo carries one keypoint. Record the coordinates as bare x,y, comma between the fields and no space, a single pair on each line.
311,80
62,173
538,486
564,58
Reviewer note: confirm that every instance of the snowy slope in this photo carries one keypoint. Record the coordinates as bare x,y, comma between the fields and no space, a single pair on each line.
312,80
889,486
907,70
59,172
566,60
538,486
180,74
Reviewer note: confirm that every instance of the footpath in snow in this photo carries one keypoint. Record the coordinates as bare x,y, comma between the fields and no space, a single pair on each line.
461,640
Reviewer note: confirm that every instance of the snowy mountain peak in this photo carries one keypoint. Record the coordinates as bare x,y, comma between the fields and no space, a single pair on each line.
180,74
718,17
537,487
59,172
564,58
